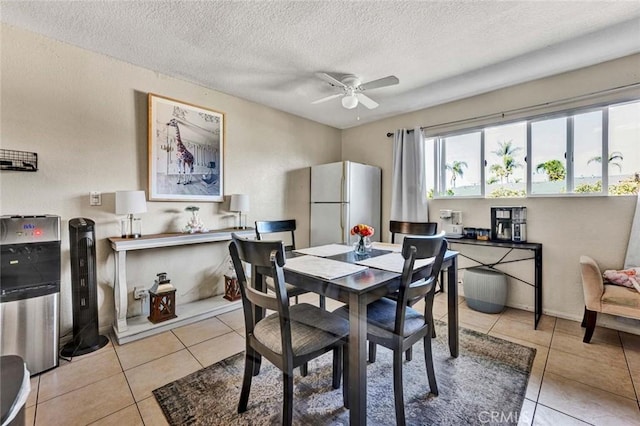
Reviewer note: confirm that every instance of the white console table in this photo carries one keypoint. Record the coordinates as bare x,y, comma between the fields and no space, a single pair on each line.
130,329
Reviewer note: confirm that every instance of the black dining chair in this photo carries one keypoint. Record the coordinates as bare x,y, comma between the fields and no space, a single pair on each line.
292,335
397,326
283,227
408,228
411,228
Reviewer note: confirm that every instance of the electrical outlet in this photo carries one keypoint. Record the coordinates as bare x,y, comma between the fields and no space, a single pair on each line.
95,198
140,292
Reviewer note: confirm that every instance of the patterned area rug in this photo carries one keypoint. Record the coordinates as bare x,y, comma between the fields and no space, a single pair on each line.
486,384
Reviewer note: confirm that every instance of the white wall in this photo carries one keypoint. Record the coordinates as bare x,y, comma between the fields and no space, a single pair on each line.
567,227
86,116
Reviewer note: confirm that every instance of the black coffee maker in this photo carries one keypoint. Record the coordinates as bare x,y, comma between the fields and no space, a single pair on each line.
509,224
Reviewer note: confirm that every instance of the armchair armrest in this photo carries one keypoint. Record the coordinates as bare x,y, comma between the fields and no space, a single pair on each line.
592,283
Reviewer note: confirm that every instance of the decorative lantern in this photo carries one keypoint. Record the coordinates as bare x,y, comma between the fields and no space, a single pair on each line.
162,301
231,284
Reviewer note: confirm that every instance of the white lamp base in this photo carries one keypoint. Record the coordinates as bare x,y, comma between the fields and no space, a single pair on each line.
131,227
240,224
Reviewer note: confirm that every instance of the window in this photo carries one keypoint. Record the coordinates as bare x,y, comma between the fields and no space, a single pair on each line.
587,152
505,168
461,155
623,155
556,154
548,148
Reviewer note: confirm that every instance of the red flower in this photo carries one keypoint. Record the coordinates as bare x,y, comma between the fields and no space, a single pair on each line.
362,230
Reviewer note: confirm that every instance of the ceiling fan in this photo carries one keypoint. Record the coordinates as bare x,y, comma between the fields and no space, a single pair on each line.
351,89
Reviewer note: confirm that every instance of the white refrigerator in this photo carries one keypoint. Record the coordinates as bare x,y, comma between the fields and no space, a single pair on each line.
344,194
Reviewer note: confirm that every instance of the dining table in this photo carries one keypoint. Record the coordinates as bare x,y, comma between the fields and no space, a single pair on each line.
359,289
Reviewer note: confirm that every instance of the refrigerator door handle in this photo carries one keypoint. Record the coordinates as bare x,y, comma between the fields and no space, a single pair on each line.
342,200
343,182
342,221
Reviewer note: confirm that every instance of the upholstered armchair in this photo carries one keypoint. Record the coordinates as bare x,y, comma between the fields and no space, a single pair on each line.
606,298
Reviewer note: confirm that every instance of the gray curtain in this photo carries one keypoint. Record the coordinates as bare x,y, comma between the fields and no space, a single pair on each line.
408,185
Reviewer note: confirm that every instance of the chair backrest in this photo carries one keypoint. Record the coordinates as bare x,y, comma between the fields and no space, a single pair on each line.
277,226
420,285
412,228
266,258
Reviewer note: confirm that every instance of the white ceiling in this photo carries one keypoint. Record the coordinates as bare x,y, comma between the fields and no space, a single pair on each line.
269,51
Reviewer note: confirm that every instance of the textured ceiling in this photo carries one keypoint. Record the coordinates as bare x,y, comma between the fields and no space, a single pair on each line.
269,51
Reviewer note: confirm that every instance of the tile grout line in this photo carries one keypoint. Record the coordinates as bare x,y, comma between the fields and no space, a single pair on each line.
205,340
633,382
595,387
154,359
117,411
546,361
184,347
128,385
568,415
35,406
82,387
76,389
69,363
196,358
544,370
570,379
140,412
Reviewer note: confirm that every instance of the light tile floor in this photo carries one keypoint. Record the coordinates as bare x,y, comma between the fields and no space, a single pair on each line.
571,383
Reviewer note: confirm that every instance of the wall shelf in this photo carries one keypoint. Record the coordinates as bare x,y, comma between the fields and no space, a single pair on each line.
20,161
134,328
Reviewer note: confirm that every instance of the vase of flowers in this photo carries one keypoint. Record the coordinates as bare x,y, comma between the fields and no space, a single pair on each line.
364,232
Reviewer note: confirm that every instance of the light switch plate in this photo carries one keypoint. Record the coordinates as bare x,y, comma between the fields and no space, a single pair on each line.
95,198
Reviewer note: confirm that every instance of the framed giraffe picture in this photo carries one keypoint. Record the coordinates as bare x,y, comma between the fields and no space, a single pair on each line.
186,151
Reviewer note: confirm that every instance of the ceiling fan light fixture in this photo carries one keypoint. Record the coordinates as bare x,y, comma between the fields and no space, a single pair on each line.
350,101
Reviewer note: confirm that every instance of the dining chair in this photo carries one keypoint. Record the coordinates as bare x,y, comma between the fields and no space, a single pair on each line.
396,325
284,227
292,335
414,228
411,228
408,228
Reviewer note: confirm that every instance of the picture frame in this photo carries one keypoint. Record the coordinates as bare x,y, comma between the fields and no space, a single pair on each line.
186,151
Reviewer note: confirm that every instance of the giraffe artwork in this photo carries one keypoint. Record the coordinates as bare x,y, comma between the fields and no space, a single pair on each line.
184,157
185,151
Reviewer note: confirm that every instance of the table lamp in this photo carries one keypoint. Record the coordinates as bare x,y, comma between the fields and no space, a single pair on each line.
240,204
130,203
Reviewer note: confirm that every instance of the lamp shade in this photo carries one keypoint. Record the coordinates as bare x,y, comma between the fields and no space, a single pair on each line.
239,203
130,202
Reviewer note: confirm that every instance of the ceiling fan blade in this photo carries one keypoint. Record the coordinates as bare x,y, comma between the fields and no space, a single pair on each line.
327,98
366,101
389,80
330,79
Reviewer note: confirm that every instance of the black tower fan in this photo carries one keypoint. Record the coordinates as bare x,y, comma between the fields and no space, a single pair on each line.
84,285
